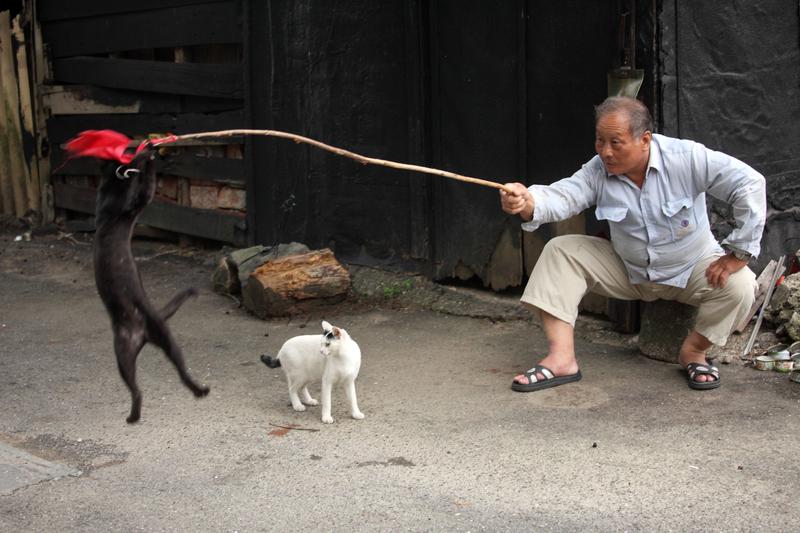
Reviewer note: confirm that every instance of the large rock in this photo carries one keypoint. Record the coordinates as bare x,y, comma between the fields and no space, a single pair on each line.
665,325
783,311
296,284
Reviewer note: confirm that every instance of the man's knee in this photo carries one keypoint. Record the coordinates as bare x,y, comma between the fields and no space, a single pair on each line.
741,288
564,244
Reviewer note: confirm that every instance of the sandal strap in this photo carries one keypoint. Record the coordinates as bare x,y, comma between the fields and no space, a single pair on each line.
699,369
543,370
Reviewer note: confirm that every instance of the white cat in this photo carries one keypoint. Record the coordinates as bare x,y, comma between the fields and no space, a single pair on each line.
330,358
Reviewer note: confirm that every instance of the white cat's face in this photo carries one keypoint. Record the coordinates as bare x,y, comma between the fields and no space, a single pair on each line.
330,335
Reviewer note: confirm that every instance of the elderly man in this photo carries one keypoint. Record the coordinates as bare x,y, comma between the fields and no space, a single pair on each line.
652,191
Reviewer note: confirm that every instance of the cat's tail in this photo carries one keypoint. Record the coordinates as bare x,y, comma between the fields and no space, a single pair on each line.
272,362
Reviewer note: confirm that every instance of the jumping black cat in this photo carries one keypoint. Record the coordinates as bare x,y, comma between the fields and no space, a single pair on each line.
125,190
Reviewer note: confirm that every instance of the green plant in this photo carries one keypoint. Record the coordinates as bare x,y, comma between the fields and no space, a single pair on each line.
396,288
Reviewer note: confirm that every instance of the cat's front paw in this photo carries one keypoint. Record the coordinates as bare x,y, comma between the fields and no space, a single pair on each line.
327,420
358,415
311,401
300,407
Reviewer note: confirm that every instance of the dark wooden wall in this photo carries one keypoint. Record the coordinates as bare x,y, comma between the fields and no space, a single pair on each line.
502,90
498,90
142,68
348,75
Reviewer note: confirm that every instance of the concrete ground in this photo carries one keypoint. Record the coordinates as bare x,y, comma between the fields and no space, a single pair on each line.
446,445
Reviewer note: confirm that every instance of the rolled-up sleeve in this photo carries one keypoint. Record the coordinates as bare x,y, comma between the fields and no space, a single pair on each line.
740,186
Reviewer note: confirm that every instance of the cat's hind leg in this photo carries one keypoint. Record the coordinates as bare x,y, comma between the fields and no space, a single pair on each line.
294,388
307,399
350,390
127,346
158,333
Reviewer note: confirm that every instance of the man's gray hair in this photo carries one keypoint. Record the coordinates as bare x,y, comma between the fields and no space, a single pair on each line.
639,117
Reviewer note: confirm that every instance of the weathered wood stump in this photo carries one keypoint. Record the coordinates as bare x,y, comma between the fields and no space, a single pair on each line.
234,268
664,326
296,284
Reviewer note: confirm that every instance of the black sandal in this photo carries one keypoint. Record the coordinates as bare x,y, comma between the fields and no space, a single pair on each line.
550,379
700,369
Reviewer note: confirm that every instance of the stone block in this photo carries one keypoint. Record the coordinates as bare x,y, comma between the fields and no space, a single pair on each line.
664,326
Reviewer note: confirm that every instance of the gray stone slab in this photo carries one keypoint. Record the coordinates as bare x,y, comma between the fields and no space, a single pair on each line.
19,469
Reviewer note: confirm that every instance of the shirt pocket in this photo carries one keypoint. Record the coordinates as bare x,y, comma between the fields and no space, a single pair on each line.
680,215
610,213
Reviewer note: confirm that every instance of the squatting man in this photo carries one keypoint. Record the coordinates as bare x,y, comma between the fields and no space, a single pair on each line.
651,189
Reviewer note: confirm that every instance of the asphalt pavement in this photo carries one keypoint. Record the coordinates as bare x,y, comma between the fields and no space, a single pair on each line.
446,445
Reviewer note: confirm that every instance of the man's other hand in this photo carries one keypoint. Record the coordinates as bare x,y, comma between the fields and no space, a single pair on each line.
718,272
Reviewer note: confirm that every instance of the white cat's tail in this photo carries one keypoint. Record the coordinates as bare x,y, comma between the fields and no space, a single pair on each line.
272,362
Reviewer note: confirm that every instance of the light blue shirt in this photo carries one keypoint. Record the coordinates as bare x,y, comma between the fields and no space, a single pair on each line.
661,230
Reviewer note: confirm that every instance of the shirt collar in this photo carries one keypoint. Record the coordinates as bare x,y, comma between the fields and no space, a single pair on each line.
655,162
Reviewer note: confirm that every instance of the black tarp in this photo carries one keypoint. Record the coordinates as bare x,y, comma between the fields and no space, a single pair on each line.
731,80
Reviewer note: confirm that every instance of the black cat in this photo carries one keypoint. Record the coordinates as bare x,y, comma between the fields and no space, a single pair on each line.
124,191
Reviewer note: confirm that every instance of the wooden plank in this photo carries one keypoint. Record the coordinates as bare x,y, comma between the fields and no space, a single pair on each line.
63,128
216,23
27,111
13,166
48,10
218,169
221,169
263,57
204,223
80,199
419,186
217,80
89,100
40,71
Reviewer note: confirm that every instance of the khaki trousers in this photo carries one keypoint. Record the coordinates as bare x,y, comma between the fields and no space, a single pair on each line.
572,265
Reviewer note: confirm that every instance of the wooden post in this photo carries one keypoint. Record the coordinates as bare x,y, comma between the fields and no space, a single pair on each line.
13,166
40,73
32,188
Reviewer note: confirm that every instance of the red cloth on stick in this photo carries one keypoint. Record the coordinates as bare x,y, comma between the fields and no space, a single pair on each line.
103,144
107,144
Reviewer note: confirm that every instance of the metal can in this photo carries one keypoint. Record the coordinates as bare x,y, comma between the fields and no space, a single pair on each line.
764,362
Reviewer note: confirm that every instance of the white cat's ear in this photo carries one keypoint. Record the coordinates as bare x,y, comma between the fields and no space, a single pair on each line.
337,332
326,326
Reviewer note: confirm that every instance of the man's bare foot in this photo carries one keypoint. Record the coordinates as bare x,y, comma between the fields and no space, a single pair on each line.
559,365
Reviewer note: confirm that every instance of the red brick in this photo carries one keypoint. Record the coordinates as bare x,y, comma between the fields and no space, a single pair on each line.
230,198
203,197
168,187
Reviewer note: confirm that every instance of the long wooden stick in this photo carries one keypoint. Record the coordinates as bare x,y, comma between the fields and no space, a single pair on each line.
338,151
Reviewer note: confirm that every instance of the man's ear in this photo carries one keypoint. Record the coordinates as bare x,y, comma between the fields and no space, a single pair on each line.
645,139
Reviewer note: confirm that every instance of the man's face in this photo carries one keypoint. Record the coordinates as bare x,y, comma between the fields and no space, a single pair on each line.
621,152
